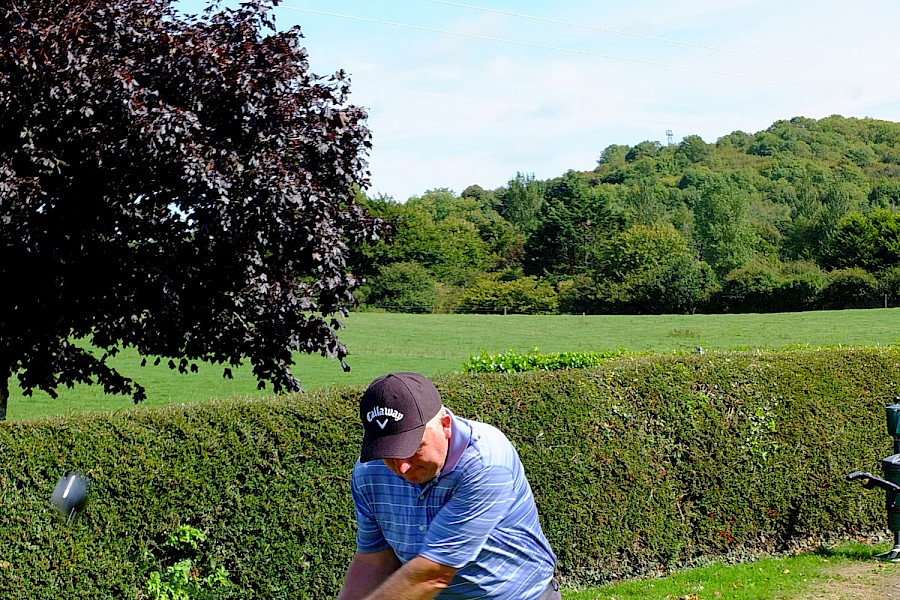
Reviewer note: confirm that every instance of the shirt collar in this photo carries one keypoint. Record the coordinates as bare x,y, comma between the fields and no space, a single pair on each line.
460,435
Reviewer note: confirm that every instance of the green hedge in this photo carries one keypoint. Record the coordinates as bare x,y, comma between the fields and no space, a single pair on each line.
642,465
513,362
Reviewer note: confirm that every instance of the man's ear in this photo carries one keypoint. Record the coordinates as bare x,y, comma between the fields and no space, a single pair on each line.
445,424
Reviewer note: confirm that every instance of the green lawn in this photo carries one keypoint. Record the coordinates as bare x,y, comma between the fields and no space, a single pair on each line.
436,344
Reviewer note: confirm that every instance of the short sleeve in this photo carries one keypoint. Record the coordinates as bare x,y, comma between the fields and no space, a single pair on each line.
369,537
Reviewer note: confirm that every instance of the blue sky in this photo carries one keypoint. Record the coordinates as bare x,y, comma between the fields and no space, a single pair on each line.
473,92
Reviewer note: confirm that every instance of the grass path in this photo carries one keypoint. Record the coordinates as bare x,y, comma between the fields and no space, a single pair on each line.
858,581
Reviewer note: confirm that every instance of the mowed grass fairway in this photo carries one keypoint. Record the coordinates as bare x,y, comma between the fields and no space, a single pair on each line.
439,344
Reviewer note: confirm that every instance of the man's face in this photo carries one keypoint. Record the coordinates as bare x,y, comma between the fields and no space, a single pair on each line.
424,465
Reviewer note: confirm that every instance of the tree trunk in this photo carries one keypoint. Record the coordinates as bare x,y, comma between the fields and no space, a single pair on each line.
4,397
5,375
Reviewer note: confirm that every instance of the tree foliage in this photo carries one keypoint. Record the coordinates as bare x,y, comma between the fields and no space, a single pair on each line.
868,241
724,229
526,295
762,286
574,220
651,270
850,288
760,220
405,287
179,184
521,201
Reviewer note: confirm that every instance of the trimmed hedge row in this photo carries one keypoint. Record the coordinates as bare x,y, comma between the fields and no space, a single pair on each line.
642,465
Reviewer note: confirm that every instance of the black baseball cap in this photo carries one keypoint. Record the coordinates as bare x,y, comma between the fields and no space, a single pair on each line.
394,411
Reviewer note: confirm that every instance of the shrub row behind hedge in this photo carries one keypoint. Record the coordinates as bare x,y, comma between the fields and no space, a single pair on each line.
639,466
513,362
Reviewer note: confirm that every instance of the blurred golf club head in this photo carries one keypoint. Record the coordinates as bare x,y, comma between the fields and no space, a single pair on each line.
70,494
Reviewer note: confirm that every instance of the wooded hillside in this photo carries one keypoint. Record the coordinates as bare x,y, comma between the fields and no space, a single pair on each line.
802,215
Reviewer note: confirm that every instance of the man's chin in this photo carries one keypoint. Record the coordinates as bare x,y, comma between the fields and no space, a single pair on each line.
419,478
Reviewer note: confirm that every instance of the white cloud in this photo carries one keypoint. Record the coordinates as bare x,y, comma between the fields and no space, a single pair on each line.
452,110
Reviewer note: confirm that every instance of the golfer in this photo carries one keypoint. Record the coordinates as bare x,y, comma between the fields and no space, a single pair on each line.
443,508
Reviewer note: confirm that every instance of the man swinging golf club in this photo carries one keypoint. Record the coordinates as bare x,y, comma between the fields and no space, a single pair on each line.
443,508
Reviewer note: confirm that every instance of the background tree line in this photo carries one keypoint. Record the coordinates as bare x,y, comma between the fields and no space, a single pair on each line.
800,216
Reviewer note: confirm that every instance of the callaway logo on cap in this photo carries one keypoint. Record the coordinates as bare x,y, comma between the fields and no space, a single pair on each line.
387,413
394,410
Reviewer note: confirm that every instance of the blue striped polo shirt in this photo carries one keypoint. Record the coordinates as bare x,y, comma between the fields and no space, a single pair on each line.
478,516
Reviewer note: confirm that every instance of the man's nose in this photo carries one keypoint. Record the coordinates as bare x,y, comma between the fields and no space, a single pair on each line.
398,465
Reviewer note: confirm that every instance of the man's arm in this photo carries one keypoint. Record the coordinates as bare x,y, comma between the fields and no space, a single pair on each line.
419,579
366,572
